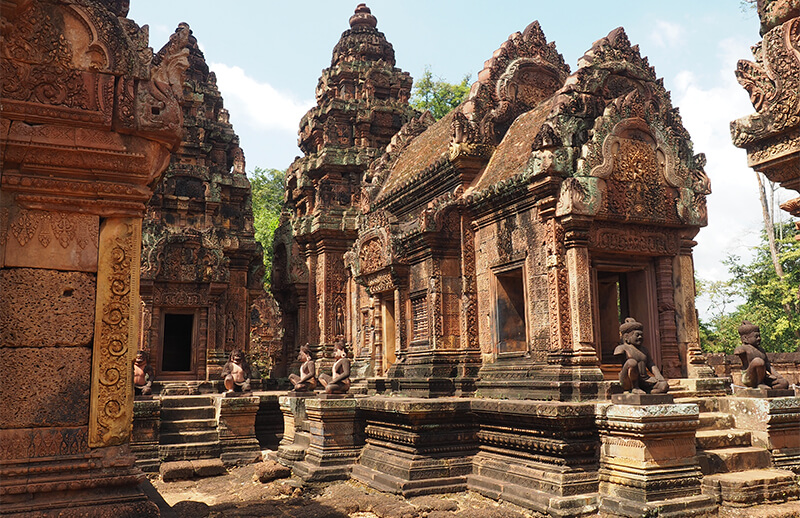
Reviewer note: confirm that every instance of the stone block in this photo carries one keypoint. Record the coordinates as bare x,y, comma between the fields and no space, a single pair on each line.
237,430
268,471
44,308
208,467
45,386
177,470
51,240
642,399
748,488
336,437
416,446
725,460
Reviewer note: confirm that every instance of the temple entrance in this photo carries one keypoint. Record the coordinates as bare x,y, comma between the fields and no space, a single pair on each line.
176,346
621,292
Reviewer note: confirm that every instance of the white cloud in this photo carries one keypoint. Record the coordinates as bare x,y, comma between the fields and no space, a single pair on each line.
734,211
667,34
258,104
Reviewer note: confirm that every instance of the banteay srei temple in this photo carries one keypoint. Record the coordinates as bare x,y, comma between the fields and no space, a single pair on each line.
500,301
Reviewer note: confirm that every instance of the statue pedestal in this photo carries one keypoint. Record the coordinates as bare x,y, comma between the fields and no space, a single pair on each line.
336,438
237,430
648,462
774,424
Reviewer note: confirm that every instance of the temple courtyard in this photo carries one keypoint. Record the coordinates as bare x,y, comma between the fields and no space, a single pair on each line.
488,314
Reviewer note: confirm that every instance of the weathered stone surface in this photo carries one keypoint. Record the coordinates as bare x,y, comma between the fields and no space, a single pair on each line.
86,150
43,308
48,239
176,470
648,461
208,467
50,400
268,471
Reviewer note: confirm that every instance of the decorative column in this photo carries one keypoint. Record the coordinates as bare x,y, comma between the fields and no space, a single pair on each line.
87,125
573,372
701,377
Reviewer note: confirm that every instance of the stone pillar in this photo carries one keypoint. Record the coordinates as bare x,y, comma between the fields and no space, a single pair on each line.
573,373
78,162
237,430
688,328
648,461
336,439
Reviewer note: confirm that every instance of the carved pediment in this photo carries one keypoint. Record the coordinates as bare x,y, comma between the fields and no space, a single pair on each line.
525,70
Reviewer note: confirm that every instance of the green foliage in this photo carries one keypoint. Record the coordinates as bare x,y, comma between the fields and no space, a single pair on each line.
267,193
769,301
438,96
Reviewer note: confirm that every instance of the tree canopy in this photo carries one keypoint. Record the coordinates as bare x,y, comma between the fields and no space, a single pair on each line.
267,195
769,300
438,95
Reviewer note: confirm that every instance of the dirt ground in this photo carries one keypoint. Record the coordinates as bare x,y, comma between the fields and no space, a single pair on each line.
240,494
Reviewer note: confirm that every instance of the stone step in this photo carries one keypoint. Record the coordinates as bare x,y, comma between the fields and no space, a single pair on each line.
189,451
715,439
204,436
752,487
716,421
726,460
186,401
187,425
188,413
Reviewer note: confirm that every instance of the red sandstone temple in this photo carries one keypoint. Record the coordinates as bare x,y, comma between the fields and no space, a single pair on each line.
201,265
498,248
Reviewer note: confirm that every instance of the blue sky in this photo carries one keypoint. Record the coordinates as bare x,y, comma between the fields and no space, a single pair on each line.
269,55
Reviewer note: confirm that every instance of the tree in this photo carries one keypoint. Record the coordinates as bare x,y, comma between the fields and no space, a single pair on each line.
438,96
267,194
769,300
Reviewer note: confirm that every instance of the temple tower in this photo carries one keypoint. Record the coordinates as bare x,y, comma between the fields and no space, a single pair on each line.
362,101
201,265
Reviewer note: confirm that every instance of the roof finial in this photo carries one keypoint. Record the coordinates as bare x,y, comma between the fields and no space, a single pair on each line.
363,17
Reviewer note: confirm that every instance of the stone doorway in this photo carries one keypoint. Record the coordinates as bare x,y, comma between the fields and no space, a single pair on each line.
177,345
621,292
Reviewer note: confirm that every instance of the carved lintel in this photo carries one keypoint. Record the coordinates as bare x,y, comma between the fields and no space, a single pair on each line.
115,332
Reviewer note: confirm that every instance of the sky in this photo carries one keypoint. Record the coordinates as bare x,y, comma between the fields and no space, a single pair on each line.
268,57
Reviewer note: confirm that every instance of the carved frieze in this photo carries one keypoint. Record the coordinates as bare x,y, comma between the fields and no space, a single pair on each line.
46,239
634,239
116,332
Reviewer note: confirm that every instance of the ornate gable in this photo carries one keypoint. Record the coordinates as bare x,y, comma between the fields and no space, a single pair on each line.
635,162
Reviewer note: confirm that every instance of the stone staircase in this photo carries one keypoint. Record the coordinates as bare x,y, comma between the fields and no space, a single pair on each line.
736,473
188,428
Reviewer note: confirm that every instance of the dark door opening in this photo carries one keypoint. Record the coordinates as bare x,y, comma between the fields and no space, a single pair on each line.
621,294
177,346
510,311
